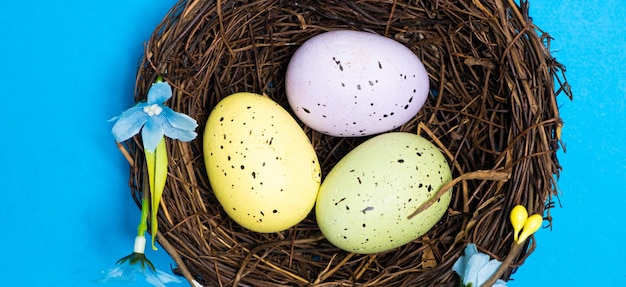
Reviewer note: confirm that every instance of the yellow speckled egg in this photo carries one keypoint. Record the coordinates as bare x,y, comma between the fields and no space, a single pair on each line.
260,163
364,202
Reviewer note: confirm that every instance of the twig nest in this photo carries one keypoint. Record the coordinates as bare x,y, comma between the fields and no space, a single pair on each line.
491,109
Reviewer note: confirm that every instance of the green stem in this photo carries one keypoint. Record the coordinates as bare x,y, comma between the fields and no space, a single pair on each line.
143,222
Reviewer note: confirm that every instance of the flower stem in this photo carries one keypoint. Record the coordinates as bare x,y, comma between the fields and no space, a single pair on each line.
145,208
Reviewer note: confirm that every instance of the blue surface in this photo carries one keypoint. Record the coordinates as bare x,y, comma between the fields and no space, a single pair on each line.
69,66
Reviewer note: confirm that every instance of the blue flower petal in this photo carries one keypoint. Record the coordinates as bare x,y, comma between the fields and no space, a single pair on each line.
487,270
159,93
470,250
129,273
118,273
179,120
129,123
461,264
160,278
474,265
151,134
179,134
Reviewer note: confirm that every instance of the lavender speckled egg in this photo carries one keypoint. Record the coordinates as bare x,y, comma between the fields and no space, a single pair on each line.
351,83
364,202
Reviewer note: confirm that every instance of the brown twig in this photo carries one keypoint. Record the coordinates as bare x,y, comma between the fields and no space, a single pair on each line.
176,257
516,248
479,174
125,153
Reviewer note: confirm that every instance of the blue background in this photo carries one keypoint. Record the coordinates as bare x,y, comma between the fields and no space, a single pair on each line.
69,66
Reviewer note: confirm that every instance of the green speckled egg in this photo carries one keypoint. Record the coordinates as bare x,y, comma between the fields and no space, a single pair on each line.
364,201
260,163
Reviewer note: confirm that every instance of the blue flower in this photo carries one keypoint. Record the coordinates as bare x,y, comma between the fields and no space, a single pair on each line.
154,120
475,268
132,267
136,265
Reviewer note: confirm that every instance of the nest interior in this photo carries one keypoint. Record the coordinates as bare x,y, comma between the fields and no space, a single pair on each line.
492,107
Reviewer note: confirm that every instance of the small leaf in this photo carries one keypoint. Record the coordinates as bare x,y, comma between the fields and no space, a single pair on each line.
428,258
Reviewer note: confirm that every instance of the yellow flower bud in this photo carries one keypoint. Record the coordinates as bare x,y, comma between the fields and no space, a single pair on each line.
533,223
518,218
